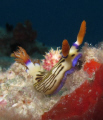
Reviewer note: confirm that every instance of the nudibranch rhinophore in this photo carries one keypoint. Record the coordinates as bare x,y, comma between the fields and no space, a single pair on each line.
50,82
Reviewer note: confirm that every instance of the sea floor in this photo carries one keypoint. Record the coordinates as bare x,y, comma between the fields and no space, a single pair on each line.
18,98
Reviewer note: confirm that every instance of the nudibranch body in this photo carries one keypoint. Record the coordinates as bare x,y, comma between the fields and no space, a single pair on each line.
50,82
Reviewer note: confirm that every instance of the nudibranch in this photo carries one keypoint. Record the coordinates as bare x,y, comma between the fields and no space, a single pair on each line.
50,82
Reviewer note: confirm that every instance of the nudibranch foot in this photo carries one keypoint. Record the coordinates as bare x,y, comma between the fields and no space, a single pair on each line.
64,79
75,60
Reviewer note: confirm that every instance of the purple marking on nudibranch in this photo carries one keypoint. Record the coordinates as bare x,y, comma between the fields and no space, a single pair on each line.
64,79
76,45
63,56
75,60
28,62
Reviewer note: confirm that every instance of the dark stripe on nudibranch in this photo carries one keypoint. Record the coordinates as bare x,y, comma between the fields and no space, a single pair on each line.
45,84
50,85
60,61
55,75
48,82
39,74
45,76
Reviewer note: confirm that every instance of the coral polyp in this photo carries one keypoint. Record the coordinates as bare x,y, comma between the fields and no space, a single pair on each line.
51,58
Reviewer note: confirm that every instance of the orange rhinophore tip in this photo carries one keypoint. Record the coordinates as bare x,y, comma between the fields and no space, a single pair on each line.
65,47
81,33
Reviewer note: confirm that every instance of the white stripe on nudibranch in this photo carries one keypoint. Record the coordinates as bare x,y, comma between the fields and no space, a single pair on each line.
77,43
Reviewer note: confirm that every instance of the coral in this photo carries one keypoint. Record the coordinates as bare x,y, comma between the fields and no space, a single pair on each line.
23,33
25,36
51,58
18,98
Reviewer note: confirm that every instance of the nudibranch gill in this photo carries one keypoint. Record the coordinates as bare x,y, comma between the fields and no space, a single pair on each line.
50,82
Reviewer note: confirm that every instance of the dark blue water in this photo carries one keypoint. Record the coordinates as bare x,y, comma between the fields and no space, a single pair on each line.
56,20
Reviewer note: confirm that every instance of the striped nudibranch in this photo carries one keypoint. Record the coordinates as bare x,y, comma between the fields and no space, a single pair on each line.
52,81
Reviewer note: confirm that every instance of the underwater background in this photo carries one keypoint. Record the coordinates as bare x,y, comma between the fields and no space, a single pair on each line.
40,26
55,20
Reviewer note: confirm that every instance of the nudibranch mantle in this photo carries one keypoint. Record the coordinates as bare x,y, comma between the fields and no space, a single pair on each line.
50,82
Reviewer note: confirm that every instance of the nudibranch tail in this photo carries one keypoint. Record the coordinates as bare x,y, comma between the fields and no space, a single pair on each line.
65,48
81,33
23,58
